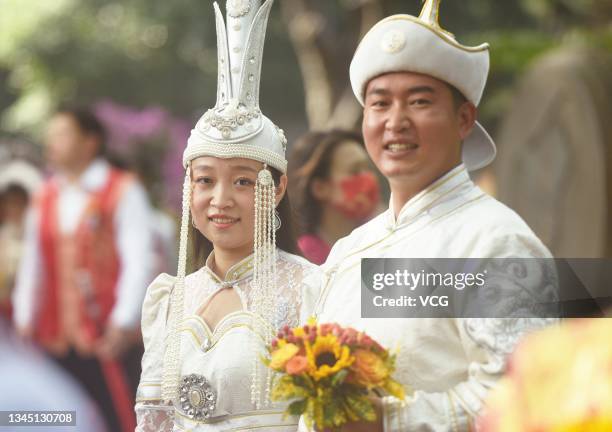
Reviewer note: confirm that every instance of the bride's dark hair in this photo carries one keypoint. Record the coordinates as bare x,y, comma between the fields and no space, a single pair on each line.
201,247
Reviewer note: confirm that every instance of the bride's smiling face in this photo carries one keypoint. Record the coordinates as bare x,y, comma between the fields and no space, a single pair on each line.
223,201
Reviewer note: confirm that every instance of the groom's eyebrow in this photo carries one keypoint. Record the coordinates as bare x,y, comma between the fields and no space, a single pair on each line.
202,167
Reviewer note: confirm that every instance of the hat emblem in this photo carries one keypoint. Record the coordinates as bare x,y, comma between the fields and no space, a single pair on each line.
238,8
393,41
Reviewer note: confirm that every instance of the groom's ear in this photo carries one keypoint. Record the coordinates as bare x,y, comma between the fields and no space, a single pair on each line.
281,189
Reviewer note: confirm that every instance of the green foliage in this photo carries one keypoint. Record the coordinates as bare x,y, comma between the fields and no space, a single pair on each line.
150,52
286,389
338,378
137,53
360,407
298,407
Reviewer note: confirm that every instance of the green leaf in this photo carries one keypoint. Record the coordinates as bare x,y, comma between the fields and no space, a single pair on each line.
339,378
285,389
305,382
361,406
298,407
334,412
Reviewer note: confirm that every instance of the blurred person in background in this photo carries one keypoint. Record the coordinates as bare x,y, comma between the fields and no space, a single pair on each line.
18,181
29,381
334,186
86,265
144,164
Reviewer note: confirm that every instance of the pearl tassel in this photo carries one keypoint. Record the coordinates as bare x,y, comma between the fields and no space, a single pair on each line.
171,368
264,279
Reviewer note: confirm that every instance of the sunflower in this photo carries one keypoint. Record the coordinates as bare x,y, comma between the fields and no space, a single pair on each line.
327,356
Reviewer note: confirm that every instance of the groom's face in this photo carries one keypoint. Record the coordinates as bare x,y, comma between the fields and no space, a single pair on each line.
413,127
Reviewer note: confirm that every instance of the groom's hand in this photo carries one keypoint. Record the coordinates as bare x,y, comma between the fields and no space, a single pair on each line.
363,426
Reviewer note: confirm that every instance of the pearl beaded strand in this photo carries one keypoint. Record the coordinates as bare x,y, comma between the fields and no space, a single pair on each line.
171,365
264,281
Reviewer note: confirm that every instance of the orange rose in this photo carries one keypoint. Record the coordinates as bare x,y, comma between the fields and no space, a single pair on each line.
297,365
368,369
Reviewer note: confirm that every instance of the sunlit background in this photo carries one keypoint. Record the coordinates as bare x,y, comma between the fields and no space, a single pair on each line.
147,68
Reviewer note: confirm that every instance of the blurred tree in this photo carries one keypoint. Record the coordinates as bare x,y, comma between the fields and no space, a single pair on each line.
143,53
324,35
136,52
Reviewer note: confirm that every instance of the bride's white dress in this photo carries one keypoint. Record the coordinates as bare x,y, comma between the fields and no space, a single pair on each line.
216,364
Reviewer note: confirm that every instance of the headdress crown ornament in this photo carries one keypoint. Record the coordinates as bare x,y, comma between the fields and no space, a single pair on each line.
419,44
235,126
430,15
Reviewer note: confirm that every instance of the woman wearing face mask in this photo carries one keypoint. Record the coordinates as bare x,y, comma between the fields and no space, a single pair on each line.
334,186
205,333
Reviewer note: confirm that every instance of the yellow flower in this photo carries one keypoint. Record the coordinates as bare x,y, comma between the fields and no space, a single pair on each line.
327,356
282,355
593,425
395,389
368,370
299,332
559,380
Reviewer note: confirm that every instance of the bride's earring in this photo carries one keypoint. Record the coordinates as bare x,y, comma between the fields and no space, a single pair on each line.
193,224
277,220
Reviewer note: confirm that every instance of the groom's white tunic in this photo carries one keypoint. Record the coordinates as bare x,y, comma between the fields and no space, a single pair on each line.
450,364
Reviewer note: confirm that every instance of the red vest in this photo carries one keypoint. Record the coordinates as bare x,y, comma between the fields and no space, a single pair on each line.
80,270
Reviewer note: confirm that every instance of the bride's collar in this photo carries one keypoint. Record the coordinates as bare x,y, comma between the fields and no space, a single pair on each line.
240,270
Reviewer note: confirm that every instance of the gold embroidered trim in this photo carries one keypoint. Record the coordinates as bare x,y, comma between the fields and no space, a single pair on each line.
439,183
216,340
325,292
238,416
441,34
237,271
436,219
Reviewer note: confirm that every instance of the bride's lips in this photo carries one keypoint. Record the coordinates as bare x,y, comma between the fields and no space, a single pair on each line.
222,221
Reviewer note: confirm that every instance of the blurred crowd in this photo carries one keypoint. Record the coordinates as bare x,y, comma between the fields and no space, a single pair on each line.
82,235
80,239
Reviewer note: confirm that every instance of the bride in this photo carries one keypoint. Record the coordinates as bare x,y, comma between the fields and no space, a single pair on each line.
205,333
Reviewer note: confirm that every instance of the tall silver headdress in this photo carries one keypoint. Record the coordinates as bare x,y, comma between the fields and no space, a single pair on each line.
235,128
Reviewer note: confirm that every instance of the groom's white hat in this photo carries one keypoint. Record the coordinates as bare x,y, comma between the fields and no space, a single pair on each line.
405,43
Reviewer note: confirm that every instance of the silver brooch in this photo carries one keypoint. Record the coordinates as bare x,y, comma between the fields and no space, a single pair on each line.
197,397
238,8
393,41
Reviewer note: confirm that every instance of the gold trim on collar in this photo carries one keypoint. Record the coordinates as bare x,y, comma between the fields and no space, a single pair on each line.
428,192
322,300
235,272
226,417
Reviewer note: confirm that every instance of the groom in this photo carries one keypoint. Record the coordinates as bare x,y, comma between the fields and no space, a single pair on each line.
419,89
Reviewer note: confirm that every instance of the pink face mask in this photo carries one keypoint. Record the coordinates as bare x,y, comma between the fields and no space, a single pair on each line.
361,195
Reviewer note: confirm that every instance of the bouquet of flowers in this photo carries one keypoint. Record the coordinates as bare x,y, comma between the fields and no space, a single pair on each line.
328,372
